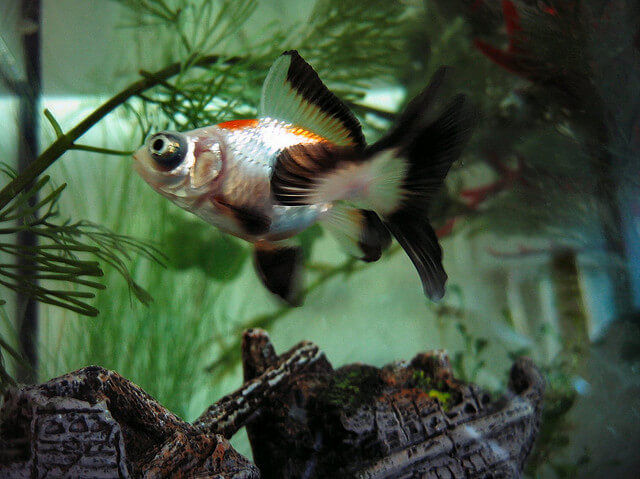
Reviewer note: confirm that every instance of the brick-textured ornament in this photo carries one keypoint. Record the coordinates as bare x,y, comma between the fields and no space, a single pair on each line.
304,419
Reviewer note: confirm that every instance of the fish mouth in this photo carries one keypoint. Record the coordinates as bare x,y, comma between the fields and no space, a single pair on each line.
140,161
139,166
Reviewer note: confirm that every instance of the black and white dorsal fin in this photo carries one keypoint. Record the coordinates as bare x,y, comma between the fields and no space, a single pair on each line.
293,92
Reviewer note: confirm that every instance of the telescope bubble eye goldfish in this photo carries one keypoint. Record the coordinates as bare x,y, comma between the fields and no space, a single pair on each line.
304,160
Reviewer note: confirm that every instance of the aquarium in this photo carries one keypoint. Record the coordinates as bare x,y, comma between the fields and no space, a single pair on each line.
495,202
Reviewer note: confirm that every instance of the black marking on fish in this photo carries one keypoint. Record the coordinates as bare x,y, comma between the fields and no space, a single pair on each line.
430,143
298,168
432,151
252,221
415,116
374,236
304,79
279,268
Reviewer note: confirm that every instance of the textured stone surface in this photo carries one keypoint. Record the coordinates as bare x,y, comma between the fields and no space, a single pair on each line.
304,419
233,411
93,423
360,421
61,437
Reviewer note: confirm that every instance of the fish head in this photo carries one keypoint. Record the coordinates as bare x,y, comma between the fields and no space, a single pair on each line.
182,166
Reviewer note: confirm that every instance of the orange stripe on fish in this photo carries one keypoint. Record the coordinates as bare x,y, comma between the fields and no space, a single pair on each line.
305,134
249,123
238,124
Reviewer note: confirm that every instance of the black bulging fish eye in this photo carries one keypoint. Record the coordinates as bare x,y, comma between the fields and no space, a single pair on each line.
158,145
168,149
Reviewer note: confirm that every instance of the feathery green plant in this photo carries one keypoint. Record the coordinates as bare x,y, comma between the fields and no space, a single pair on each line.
230,88
57,257
64,267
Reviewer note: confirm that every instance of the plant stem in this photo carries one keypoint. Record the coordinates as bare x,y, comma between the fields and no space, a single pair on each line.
104,151
66,141
29,126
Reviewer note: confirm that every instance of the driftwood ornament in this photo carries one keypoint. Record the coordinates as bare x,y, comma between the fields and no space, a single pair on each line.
406,420
304,419
93,423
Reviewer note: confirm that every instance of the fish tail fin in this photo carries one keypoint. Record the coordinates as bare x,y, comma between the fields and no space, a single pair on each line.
396,177
422,149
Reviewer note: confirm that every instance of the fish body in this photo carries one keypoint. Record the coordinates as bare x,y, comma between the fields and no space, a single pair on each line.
303,161
225,178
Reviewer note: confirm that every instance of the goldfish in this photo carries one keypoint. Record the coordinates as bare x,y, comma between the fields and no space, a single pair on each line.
304,160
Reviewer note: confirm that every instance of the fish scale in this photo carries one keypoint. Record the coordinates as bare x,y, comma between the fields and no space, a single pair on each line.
250,155
258,146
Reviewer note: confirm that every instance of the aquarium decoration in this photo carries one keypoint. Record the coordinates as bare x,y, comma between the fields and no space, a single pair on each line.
304,419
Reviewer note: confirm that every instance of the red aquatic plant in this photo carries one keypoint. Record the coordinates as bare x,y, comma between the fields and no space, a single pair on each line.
507,58
546,45
474,198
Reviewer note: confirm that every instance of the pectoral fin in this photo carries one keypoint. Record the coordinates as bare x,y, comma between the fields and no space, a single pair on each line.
280,269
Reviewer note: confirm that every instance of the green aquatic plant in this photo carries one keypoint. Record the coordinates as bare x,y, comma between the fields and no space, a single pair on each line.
64,266
467,369
6,379
230,88
58,258
556,426
352,386
435,389
162,346
444,399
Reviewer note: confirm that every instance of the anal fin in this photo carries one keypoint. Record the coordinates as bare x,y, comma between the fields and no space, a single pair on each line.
361,233
280,269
